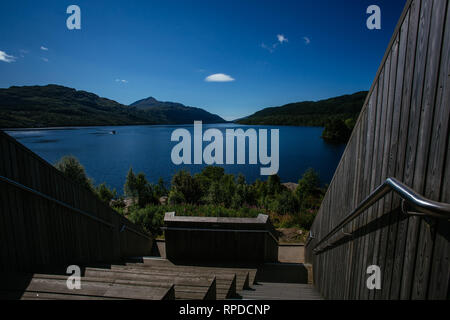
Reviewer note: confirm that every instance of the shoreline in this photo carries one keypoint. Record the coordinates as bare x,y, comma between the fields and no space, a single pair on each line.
140,125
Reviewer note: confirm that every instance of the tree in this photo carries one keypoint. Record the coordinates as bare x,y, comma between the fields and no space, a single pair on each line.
137,187
213,173
241,180
215,194
274,185
285,203
183,182
105,194
176,197
160,189
130,188
336,131
73,170
144,191
308,184
350,123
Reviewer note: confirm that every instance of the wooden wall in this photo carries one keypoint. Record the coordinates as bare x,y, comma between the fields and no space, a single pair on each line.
36,232
402,132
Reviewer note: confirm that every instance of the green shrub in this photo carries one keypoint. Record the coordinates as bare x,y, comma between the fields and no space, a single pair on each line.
150,218
285,203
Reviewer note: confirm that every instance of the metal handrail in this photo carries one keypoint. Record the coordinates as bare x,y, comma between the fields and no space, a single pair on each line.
411,200
125,227
63,204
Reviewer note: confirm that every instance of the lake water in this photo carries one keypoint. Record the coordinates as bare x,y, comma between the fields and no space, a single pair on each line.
108,157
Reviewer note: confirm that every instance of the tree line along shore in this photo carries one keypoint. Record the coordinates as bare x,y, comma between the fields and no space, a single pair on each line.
211,192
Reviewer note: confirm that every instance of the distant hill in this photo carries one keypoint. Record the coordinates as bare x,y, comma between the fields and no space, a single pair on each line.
55,106
166,111
309,113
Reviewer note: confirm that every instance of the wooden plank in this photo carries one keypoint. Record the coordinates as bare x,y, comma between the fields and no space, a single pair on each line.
370,175
377,174
438,173
365,181
391,204
384,208
13,209
416,105
427,232
402,144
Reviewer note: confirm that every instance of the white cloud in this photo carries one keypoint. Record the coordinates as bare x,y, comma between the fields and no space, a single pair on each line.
6,57
281,38
44,48
122,80
219,77
307,40
44,59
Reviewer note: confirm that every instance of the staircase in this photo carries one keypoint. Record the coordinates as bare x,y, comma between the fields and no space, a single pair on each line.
160,279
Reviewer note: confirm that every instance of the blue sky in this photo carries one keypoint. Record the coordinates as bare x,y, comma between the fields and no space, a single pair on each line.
275,52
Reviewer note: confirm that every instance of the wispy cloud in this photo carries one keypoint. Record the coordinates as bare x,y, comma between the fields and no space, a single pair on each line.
307,40
44,48
280,40
6,57
268,48
219,77
122,80
44,59
23,53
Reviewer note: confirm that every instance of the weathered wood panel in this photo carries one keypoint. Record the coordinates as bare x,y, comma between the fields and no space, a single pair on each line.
402,132
37,232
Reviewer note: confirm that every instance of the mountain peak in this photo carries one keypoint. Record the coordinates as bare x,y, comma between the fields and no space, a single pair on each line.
175,112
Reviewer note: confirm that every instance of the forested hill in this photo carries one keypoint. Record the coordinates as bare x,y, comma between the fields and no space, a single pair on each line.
58,106
310,113
175,112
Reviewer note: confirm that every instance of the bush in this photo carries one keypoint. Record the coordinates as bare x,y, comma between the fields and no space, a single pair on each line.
150,218
308,184
306,219
285,203
176,197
